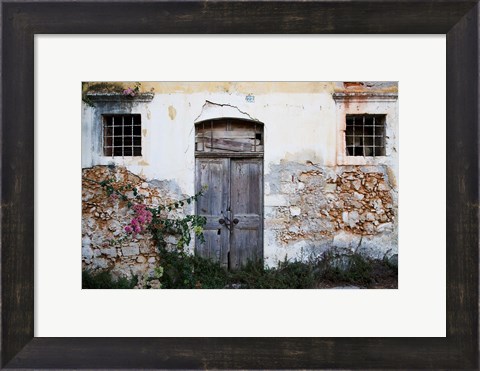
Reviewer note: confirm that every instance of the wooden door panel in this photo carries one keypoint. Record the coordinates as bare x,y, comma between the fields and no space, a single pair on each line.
235,193
213,173
246,176
246,242
244,247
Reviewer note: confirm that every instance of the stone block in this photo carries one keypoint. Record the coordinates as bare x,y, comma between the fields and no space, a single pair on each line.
86,241
293,229
111,252
145,248
98,238
99,263
87,253
114,225
171,240
329,188
353,218
358,196
357,184
384,227
369,228
130,250
295,210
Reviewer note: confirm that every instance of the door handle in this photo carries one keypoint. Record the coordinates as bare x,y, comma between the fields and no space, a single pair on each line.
235,221
221,221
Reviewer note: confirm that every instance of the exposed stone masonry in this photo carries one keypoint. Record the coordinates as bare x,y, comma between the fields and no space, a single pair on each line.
345,207
308,209
105,245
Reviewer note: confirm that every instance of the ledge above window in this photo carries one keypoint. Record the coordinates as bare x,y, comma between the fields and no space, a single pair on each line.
118,97
364,96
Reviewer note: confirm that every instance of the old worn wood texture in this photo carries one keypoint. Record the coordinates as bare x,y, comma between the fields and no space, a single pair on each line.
246,192
214,173
235,191
21,20
228,136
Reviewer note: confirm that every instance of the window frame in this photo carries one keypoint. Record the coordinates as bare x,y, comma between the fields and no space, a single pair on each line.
372,135
367,104
103,118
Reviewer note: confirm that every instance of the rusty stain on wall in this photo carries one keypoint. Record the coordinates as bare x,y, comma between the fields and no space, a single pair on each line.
172,112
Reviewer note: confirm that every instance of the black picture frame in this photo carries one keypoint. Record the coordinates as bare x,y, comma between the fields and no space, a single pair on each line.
21,20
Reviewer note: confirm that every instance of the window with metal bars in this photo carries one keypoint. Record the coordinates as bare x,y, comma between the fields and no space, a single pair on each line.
365,135
122,135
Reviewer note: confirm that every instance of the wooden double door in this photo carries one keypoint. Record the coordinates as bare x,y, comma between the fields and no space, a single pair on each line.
233,207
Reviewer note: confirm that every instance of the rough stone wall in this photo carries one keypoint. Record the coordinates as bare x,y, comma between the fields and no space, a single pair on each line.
315,208
309,209
105,245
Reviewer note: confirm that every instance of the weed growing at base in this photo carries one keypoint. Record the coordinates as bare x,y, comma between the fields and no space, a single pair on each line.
182,270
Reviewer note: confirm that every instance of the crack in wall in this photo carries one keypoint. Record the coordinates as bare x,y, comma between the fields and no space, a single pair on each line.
207,103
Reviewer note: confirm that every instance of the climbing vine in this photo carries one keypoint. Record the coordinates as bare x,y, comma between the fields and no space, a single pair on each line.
153,219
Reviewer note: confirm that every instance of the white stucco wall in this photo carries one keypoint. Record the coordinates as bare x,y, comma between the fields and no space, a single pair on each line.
298,127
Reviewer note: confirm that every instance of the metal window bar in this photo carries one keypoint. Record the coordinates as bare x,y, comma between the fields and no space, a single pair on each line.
123,136
255,140
365,143
362,143
104,137
354,136
113,136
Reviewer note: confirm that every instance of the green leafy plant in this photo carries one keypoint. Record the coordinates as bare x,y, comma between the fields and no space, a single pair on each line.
154,220
105,280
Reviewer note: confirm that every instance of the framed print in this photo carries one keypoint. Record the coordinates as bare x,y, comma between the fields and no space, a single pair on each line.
21,22
423,61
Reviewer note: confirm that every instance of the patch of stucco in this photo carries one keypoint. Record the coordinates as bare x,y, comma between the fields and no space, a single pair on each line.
172,112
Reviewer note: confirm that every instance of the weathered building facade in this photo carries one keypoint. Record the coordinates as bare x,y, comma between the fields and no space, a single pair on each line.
293,168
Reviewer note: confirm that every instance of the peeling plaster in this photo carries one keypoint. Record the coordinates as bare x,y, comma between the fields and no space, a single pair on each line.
345,207
104,220
211,110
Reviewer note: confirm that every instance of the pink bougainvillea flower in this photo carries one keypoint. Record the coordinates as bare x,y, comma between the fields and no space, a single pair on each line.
143,217
129,91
